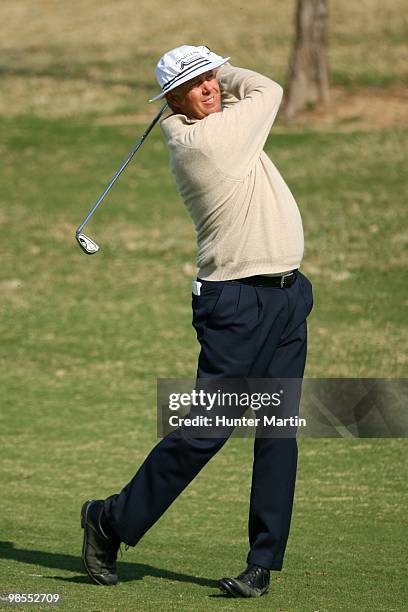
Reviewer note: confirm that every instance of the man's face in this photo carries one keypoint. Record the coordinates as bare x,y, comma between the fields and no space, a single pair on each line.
197,98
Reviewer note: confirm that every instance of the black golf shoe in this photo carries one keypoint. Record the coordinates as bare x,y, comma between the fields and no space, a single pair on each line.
99,551
253,582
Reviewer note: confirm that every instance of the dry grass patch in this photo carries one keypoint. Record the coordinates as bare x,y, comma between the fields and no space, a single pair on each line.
75,58
362,108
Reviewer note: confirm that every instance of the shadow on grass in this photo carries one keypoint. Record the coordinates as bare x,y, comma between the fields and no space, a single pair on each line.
127,571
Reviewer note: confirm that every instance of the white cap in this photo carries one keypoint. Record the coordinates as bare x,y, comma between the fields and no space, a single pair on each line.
182,64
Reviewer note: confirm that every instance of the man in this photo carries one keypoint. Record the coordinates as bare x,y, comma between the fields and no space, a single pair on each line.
250,304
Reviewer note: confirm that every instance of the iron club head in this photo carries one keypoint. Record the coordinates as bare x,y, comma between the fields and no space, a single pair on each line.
87,245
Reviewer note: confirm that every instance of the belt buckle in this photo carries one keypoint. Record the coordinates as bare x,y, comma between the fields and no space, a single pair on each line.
282,283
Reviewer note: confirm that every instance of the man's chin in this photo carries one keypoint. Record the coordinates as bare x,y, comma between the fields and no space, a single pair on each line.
215,108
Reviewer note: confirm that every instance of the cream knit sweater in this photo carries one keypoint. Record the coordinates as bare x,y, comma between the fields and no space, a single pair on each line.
246,219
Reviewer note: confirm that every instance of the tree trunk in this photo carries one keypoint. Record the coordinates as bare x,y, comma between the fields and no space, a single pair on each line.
308,68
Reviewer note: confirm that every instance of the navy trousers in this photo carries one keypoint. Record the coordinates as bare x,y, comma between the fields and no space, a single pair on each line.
244,331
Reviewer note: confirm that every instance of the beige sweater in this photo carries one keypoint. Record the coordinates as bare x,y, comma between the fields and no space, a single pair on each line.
246,219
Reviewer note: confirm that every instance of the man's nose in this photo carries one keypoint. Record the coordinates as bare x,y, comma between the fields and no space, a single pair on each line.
206,87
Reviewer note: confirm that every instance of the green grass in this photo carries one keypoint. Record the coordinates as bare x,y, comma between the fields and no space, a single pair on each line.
366,79
84,340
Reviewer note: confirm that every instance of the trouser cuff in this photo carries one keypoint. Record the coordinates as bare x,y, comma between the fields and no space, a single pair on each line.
275,565
112,523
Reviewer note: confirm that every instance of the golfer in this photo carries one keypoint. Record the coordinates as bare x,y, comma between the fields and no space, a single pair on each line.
250,304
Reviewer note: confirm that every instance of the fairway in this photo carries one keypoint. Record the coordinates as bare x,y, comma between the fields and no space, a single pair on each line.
84,339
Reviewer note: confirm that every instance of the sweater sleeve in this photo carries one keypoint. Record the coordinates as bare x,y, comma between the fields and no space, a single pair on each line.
235,137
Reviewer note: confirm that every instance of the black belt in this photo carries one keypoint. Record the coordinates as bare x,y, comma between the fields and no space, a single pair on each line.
286,280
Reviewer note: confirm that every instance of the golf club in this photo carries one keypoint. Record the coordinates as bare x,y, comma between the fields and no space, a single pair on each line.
88,245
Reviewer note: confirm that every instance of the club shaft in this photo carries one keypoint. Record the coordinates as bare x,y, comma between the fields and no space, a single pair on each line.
121,169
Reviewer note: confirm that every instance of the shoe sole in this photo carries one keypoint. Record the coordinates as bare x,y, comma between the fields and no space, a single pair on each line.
84,518
226,588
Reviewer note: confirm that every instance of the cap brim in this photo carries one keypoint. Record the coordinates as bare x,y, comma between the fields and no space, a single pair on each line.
191,76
